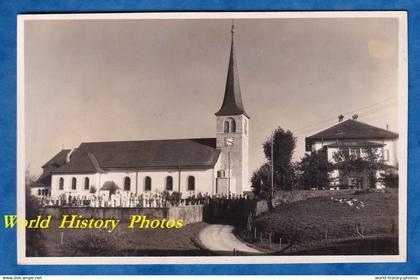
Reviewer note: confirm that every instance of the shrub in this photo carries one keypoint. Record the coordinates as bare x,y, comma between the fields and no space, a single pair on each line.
175,198
92,189
95,242
390,180
34,237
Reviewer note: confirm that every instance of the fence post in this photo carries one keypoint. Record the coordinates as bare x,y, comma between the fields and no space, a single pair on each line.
255,232
61,239
326,234
280,243
261,237
269,237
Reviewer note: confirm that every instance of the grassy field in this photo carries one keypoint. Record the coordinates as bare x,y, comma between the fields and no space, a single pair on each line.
123,241
313,222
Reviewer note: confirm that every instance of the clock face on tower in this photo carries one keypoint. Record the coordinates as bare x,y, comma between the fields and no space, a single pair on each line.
229,141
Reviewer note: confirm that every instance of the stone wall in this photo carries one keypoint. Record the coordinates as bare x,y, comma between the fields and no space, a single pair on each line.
233,211
190,214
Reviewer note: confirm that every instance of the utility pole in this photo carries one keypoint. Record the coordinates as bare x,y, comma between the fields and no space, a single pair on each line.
272,165
228,173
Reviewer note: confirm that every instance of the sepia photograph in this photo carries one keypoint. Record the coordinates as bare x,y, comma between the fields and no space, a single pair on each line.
212,138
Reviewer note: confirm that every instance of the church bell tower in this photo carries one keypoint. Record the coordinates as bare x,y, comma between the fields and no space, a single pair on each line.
232,133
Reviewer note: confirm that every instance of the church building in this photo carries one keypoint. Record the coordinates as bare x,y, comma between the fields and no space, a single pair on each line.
207,165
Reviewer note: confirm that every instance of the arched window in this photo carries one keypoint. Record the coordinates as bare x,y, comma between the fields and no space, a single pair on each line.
127,183
61,183
169,183
73,183
147,184
86,183
226,126
191,183
232,125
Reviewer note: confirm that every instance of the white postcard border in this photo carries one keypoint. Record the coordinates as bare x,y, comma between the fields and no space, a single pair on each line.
403,112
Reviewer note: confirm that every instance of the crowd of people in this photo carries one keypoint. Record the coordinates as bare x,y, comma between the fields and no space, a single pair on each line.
130,200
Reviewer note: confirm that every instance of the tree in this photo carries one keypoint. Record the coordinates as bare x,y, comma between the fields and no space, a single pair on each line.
261,182
34,237
370,163
390,179
315,170
284,144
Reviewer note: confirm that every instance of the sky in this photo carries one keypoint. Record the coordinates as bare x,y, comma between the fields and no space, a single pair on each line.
112,80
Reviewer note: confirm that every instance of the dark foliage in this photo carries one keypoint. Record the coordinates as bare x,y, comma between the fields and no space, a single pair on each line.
314,171
34,237
284,144
370,163
390,180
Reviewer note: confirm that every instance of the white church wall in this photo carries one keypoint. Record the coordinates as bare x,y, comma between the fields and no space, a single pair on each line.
118,178
204,181
67,187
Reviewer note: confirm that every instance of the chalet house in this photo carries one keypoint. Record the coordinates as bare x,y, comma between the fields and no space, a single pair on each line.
352,137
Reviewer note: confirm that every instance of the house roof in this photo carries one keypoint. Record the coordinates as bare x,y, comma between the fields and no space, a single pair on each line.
361,143
232,101
150,154
351,129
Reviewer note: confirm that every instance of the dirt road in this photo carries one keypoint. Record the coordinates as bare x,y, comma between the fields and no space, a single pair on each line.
220,238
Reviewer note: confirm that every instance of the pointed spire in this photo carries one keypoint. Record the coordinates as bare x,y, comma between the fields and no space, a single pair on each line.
232,102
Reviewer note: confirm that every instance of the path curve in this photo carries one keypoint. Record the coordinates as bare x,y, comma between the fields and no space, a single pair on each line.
220,238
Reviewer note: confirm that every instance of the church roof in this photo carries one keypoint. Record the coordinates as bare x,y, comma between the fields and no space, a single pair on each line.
45,179
58,159
232,102
96,157
351,129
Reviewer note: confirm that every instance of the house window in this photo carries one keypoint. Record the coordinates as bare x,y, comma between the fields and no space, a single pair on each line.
355,152
344,151
169,183
191,183
147,184
221,174
127,183
226,126
86,183
73,183
61,183
386,155
39,192
364,152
